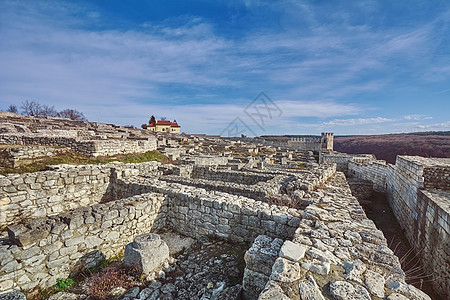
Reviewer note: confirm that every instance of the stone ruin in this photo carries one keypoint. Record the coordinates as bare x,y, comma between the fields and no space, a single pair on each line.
304,234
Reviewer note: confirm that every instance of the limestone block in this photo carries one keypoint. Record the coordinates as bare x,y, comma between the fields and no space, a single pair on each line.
292,251
285,270
147,252
14,295
272,291
343,290
309,290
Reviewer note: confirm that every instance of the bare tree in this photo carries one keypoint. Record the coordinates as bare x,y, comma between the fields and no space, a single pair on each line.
48,111
12,109
72,114
30,108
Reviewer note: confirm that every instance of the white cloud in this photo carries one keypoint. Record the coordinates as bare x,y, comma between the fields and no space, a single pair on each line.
436,127
49,54
353,122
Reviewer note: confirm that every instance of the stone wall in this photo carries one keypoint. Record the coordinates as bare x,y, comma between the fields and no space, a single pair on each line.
13,157
431,234
197,212
336,253
342,159
46,193
100,147
229,176
424,218
373,170
48,248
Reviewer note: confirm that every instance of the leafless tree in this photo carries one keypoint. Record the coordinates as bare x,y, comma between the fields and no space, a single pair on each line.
30,108
12,109
72,114
48,111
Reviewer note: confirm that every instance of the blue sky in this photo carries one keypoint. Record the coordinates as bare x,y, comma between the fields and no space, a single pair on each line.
349,67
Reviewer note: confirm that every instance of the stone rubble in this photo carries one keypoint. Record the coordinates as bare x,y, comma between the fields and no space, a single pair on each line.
309,237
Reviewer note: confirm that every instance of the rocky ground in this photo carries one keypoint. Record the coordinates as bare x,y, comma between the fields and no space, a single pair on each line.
211,269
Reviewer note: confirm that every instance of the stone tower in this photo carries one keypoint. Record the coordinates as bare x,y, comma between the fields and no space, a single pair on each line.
327,141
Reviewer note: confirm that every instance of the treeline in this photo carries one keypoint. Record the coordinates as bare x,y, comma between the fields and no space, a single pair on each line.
33,108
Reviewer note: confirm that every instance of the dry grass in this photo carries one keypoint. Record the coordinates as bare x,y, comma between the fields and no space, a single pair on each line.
73,158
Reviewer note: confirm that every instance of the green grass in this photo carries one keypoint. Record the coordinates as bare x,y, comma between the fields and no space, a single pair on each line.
73,158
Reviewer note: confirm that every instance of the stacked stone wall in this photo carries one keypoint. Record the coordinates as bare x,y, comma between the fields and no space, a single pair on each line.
437,178
46,193
340,159
48,248
85,147
229,176
373,170
431,234
15,156
336,253
424,220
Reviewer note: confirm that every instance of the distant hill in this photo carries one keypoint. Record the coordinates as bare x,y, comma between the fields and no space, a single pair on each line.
388,146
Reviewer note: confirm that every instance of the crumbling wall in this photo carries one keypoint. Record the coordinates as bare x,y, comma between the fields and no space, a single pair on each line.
48,248
431,233
336,253
94,148
229,176
424,218
13,157
373,170
46,193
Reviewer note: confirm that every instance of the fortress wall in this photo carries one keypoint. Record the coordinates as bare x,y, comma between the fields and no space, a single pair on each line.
85,147
336,252
340,159
230,217
431,235
48,248
15,156
197,212
46,193
422,214
229,176
374,170
437,177
417,191
252,191
403,184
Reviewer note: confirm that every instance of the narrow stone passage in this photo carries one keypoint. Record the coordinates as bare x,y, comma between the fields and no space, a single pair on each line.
377,208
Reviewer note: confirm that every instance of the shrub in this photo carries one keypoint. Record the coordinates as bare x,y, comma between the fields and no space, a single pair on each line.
100,284
63,283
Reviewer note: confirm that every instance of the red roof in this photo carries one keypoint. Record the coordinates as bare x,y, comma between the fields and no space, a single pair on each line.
164,122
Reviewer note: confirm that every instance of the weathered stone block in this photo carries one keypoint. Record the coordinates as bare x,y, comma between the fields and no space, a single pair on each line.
147,252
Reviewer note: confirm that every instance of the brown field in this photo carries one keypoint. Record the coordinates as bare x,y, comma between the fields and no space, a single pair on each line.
388,146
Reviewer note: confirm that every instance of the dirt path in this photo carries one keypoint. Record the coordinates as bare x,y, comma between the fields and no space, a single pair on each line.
378,210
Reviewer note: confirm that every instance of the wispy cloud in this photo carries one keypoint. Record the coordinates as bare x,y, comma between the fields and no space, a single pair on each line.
63,54
436,126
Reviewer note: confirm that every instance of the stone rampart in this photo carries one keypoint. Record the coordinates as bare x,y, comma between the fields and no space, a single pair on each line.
431,234
88,147
47,193
48,248
373,170
412,186
335,253
13,157
342,159
423,214
229,176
